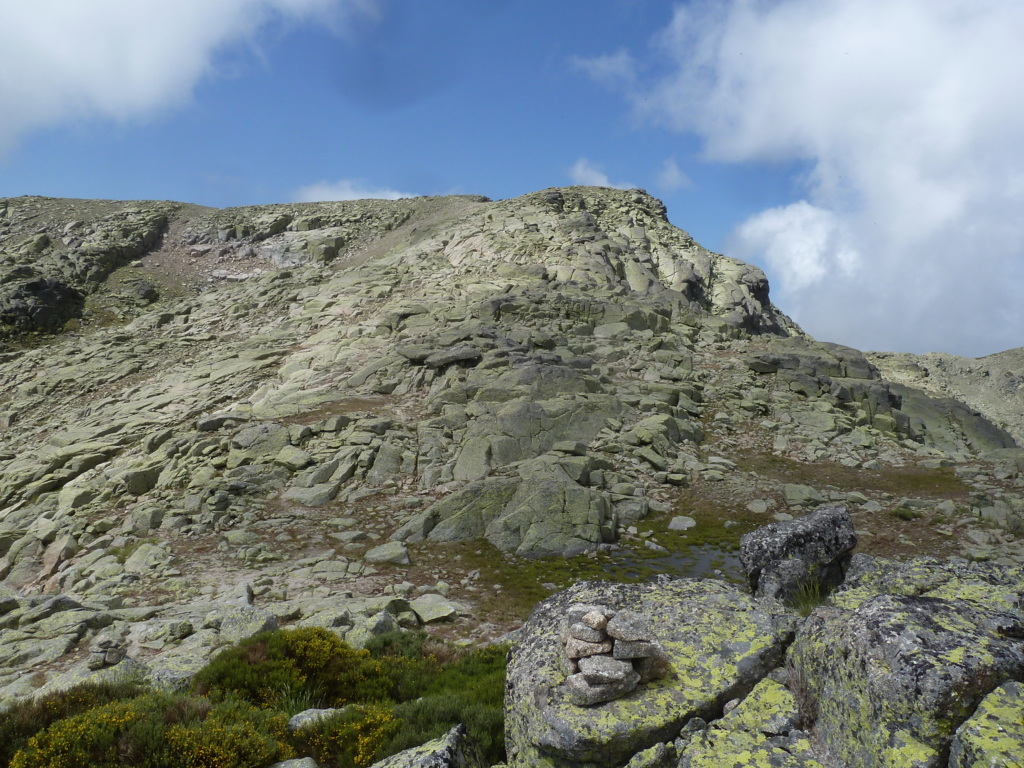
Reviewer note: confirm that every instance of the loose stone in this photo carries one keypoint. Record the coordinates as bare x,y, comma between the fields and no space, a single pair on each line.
599,670
582,632
577,649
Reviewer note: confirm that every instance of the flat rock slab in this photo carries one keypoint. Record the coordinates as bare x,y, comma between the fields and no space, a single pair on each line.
240,623
456,749
433,607
718,641
389,553
309,717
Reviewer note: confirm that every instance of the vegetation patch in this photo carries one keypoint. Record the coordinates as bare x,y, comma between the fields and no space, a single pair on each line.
24,720
309,664
160,730
406,689
354,736
808,596
905,513
523,582
470,690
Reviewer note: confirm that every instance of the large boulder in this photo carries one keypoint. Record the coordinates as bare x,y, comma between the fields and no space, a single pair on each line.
718,642
39,304
812,552
890,677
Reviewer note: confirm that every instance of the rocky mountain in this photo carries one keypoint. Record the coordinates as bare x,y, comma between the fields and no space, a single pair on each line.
372,414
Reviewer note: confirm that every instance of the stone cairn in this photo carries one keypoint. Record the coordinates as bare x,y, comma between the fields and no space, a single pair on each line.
608,653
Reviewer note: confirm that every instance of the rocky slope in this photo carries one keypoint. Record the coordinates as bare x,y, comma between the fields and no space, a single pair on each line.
374,414
992,385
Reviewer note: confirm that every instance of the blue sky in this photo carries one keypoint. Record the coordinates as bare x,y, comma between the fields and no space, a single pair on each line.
863,153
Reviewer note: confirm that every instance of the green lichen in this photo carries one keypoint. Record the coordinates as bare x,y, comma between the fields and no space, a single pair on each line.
1003,597
994,735
768,703
898,700
904,751
755,734
985,586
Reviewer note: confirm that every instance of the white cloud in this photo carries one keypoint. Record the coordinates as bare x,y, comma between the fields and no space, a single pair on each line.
616,69
589,174
801,242
672,178
64,60
346,189
907,114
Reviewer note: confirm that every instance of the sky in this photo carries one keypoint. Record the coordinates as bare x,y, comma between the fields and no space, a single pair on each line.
868,155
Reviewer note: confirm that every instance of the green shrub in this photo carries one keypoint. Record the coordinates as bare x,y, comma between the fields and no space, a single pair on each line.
239,719
308,665
903,513
353,738
22,721
397,644
470,690
160,730
410,660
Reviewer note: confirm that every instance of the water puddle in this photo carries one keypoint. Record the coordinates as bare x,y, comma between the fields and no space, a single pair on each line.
696,562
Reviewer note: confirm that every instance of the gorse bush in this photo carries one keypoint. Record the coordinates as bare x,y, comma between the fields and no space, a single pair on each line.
160,730
310,665
22,721
352,738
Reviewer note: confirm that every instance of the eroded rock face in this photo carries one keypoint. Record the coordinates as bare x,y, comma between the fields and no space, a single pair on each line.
718,644
764,729
994,732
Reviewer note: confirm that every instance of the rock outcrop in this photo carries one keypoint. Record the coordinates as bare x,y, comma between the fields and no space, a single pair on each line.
909,664
990,385
456,749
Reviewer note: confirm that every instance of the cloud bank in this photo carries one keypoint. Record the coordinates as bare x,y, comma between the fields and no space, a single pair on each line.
65,60
906,112
346,189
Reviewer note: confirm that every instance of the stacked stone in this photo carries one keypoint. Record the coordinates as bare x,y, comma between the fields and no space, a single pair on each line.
608,653
106,651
